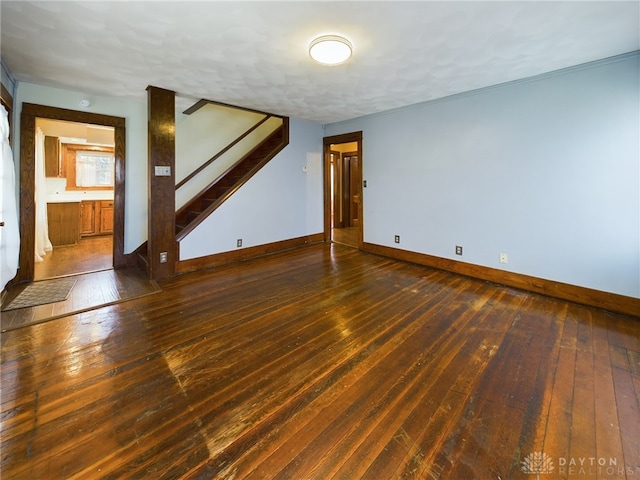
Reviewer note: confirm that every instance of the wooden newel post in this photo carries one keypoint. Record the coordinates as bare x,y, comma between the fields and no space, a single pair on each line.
161,246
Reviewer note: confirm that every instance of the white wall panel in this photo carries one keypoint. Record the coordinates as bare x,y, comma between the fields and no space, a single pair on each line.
280,202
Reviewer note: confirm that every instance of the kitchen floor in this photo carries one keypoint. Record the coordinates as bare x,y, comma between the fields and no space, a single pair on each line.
90,254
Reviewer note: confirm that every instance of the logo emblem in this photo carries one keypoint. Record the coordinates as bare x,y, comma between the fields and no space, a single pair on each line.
537,463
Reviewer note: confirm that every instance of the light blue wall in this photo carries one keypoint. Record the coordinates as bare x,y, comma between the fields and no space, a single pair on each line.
545,170
282,201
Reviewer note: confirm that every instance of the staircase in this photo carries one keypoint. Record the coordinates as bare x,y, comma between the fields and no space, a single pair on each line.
217,192
231,173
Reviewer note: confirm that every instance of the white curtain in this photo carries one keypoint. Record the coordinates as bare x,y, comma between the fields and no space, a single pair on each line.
85,172
43,244
10,231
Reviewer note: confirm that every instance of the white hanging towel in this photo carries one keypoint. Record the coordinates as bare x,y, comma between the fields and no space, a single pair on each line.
10,230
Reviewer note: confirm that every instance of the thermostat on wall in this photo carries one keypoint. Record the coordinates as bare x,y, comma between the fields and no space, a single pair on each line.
163,171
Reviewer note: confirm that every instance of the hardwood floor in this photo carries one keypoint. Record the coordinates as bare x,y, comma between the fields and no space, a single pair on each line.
91,290
90,254
324,362
346,236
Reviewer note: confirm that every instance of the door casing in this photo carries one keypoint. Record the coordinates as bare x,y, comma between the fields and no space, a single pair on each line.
27,179
327,142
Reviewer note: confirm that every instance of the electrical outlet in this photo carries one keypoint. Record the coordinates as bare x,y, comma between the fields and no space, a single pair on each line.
164,257
503,258
239,242
458,250
397,239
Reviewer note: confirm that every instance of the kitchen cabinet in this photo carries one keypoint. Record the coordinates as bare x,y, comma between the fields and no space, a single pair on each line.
96,217
52,163
87,218
63,223
106,216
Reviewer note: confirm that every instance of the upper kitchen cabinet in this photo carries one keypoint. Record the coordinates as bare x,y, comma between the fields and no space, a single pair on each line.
52,158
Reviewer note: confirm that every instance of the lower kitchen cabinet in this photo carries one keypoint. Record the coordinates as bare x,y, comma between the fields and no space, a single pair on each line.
106,216
96,217
63,223
87,218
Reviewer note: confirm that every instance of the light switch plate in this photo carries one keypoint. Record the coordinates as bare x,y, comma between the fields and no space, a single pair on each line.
163,171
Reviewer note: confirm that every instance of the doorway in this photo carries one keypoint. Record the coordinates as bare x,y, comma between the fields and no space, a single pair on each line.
31,112
343,189
74,198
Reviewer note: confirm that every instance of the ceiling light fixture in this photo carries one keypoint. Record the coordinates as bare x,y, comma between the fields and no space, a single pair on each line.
330,50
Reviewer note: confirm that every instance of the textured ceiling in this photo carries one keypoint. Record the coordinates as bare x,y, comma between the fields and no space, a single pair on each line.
254,54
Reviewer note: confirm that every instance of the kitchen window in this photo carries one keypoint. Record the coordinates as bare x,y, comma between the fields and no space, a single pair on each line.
94,169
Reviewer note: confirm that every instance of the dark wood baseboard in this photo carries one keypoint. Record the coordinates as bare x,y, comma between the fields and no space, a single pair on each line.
586,296
217,259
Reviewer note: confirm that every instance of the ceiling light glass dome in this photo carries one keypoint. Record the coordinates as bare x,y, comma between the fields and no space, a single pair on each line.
330,50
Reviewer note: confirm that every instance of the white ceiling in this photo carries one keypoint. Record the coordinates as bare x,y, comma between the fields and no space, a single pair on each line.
254,54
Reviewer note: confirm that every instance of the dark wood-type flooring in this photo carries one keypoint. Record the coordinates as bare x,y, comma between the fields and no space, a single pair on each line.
91,290
90,254
345,236
324,362
101,286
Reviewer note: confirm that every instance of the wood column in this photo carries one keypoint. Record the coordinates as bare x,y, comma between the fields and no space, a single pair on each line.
161,206
27,210
119,258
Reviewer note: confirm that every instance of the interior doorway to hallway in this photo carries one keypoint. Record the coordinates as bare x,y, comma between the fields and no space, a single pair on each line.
343,189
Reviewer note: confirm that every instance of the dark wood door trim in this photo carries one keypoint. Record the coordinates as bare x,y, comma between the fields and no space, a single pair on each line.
327,142
335,157
27,179
355,188
7,102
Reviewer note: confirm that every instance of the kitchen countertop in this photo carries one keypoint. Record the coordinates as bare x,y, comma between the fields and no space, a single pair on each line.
78,196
